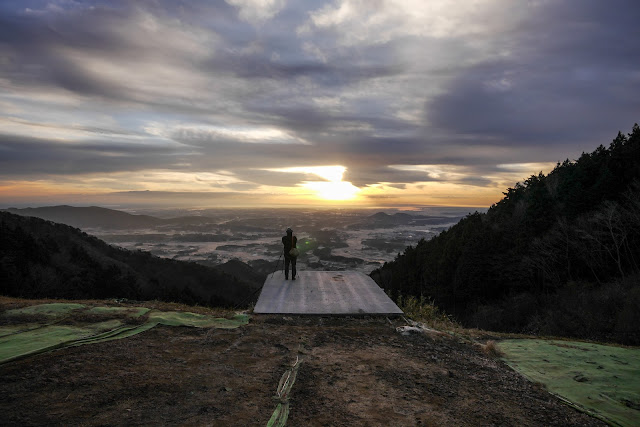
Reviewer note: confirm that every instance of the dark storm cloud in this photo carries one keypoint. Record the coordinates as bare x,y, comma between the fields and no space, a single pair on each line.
39,46
24,156
256,66
571,76
46,49
32,42
302,117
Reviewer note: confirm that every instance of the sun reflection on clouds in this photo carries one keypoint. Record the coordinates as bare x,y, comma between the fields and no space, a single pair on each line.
526,167
212,133
329,173
333,188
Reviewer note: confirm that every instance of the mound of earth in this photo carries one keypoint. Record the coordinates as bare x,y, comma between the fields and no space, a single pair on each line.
354,371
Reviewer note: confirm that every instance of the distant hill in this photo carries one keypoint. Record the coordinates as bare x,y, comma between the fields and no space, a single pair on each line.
89,217
97,217
39,258
399,219
558,255
243,272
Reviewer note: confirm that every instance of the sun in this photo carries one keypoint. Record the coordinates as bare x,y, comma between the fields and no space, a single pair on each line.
333,190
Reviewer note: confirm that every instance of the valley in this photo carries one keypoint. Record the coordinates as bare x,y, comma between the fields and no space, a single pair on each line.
360,240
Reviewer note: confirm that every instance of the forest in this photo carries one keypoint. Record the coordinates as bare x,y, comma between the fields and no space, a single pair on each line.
42,259
558,255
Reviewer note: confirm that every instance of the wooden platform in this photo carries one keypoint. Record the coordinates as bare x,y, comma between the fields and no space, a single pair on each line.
324,292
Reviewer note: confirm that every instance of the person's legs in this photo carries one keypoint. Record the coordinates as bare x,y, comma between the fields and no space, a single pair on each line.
293,268
286,268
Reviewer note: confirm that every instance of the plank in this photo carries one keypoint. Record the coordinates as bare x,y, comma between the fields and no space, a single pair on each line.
324,292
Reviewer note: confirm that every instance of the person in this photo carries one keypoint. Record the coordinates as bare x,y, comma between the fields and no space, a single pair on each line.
289,241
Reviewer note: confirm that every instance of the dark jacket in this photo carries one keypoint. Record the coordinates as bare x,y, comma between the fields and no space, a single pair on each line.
286,241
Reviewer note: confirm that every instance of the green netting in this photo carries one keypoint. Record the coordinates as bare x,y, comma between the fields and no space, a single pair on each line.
18,341
598,379
55,309
14,329
24,321
49,337
31,342
179,318
122,311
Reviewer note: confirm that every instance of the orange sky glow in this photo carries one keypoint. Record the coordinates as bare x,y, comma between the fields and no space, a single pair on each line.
167,188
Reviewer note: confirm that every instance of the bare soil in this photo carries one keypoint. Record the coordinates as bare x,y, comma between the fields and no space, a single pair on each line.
355,372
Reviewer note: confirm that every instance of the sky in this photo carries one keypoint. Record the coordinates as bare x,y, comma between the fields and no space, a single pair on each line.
347,103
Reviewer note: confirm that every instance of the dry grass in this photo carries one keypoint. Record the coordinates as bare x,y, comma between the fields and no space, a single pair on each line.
424,310
491,349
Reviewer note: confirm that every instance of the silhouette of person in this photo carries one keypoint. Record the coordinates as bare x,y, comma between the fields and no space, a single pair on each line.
289,241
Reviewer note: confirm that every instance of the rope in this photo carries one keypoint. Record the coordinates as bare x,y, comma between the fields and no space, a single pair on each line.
281,413
278,263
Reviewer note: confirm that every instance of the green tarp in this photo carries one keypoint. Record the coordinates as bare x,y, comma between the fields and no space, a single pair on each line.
40,328
599,379
51,310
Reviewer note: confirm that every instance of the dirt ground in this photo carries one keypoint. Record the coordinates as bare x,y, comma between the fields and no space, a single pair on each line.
355,372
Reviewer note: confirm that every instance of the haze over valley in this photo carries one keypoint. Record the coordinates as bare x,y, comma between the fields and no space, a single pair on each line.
360,240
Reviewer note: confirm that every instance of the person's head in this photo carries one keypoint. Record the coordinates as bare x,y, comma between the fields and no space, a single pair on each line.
289,231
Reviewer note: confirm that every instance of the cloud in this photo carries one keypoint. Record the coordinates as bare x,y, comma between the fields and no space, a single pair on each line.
392,90
552,86
23,156
203,135
360,21
327,173
257,11
270,178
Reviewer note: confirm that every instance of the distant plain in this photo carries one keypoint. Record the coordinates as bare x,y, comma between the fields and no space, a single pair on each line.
359,240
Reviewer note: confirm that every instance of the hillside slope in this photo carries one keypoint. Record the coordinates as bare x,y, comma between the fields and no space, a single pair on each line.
558,255
41,259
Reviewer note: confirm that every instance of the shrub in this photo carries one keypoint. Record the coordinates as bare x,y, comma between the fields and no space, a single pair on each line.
424,310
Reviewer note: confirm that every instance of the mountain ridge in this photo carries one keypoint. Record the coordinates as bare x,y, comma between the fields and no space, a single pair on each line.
45,259
88,216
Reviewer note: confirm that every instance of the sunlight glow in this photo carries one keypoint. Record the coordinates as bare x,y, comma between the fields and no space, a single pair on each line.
334,188
330,173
